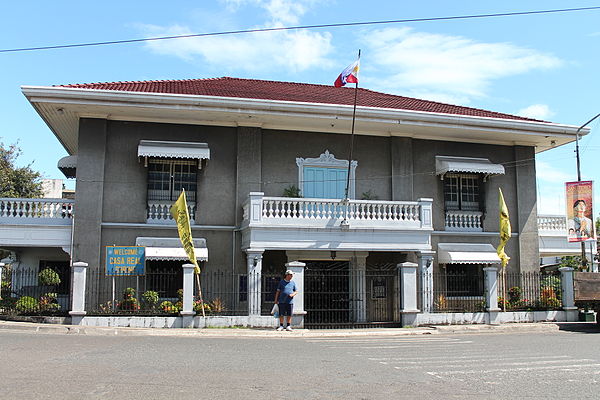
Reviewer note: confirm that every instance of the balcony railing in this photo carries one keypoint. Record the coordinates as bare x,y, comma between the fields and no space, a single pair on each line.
552,223
307,212
159,212
36,211
466,221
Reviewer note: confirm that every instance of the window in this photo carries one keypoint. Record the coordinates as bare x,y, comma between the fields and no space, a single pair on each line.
464,280
326,176
462,192
166,178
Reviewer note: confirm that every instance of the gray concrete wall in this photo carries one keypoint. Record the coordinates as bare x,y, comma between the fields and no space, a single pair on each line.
526,209
281,148
111,182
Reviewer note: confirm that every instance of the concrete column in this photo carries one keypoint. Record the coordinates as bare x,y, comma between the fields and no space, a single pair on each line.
524,213
1,270
491,293
358,284
426,212
297,268
187,313
255,207
407,272
248,169
254,263
401,154
79,273
425,262
568,293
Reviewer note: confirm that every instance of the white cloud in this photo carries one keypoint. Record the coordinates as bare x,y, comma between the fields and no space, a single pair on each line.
548,173
266,51
448,65
536,111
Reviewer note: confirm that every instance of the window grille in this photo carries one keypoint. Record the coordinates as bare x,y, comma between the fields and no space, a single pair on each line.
166,178
462,192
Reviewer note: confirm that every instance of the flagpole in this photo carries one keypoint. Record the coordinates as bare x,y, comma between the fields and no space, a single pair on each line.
352,137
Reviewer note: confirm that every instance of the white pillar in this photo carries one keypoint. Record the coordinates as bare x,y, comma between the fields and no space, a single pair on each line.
254,262
568,294
255,204
425,261
491,293
78,292
187,313
408,292
358,284
297,268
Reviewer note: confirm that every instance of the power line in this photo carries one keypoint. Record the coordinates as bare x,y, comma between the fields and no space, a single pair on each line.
338,25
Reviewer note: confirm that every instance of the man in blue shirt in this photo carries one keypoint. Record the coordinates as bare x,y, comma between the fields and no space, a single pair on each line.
284,297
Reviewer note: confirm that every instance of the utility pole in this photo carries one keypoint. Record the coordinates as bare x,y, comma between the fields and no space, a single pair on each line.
583,257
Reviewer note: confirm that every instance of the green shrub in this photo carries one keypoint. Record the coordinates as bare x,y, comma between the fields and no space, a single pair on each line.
49,302
129,302
168,307
150,299
291,191
48,277
26,304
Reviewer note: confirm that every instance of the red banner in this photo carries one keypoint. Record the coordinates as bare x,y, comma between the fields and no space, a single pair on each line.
579,201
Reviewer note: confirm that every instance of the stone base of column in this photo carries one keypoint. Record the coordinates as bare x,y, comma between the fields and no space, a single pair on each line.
572,314
77,317
187,319
494,317
298,319
409,318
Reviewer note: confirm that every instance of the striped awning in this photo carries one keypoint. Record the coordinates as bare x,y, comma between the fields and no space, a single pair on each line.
170,249
68,166
166,149
445,164
467,253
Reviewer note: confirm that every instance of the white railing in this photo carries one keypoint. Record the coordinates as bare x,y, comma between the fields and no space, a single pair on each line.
159,212
555,223
332,212
36,210
466,221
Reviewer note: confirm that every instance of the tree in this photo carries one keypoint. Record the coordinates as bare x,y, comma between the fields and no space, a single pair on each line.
597,226
17,181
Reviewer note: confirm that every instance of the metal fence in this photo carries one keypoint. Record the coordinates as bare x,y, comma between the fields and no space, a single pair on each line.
160,292
451,292
34,292
529,291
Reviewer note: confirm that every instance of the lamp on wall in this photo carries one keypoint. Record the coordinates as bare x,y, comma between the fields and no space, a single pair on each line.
255,261
333,254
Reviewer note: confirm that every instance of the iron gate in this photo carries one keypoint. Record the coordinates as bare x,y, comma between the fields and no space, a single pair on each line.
338,296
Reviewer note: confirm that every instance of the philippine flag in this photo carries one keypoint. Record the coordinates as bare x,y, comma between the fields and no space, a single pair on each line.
348,75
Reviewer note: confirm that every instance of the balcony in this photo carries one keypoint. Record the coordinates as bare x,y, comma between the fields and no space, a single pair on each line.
36,222
328,224
464,221
552,233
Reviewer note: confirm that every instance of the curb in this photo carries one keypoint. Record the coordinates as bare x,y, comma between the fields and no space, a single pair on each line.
264,333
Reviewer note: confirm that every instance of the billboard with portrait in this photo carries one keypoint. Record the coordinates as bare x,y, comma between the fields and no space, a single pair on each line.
580,224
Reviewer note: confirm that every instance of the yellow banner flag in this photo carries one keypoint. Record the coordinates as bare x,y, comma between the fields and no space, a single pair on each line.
180,214
505,231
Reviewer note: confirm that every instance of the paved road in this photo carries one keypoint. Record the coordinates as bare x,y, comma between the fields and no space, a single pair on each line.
537,365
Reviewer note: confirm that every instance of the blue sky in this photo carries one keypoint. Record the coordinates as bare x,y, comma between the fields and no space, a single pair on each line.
542,66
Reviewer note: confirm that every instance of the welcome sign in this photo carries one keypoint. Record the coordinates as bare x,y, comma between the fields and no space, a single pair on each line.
125,260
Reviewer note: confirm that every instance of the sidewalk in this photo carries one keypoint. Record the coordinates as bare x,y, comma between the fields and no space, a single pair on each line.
256,332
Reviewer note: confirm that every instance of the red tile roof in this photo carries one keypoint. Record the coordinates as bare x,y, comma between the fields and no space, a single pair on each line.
289,91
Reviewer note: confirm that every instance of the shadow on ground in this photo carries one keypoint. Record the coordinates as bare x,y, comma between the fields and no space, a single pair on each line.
581,327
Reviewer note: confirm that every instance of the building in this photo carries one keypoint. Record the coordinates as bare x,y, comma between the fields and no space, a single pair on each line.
423,180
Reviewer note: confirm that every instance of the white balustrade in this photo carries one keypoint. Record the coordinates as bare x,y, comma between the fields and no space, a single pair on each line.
36,209
328,212
160,212
464,221
556,223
